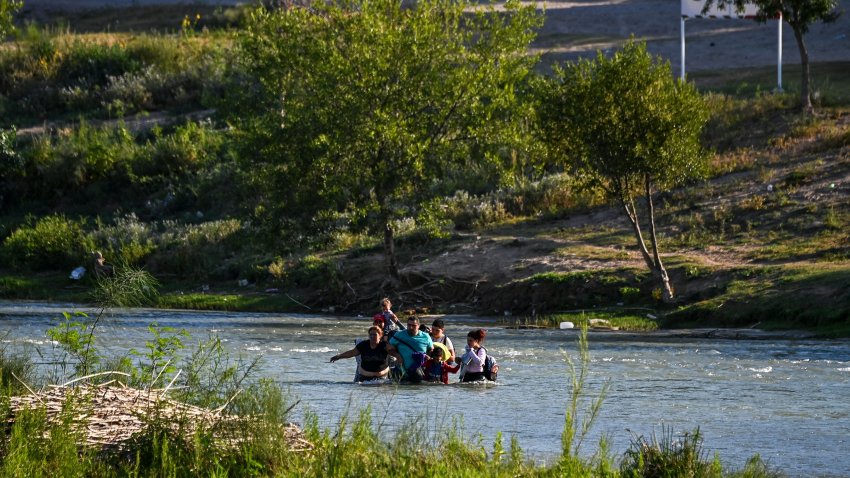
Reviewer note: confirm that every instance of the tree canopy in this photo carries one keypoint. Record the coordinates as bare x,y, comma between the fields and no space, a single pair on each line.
359,107
625,125
7,11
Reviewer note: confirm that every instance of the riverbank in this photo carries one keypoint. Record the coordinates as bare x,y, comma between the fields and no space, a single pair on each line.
762,242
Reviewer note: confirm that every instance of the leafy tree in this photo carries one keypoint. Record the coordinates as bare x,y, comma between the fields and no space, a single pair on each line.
628,127
8,8
357,108
799,14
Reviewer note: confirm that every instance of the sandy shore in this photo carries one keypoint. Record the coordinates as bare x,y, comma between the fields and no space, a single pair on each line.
580,27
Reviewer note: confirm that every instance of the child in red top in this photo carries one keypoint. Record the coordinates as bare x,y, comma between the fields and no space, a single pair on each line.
436,368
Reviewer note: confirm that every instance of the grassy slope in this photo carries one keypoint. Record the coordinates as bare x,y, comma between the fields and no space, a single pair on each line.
740,255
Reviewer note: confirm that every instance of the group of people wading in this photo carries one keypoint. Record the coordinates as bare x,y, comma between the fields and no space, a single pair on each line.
419,353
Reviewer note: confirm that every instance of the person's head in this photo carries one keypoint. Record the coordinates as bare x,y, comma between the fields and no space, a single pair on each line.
378,320
375,333
413,325
476,337
386,304
438,354
437,328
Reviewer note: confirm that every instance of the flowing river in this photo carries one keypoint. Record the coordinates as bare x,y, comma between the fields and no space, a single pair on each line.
786,400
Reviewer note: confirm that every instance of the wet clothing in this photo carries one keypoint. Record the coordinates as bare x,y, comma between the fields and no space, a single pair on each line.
473,377
407,345
439,371
373,360
473,363
474,360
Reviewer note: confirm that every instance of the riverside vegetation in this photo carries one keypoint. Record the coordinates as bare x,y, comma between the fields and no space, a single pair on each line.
128,143
142,146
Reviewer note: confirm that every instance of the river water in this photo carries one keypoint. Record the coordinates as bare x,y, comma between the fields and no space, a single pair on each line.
787,400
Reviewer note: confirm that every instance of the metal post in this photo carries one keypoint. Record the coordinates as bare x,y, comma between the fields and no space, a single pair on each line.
682,39
779,54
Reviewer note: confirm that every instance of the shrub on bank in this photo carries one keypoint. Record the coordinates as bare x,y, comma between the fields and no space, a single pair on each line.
50,243
51,72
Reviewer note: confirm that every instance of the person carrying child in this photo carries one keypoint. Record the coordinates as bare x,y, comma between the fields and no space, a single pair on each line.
436,368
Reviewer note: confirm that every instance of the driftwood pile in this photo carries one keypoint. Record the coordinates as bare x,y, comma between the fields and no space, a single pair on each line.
108,416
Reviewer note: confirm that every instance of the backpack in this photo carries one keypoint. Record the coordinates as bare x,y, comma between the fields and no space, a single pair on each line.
416,372
489,364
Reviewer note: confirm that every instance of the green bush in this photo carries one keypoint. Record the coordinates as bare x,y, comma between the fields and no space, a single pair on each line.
201,251
630,295
71,162
10,160
314,272
668,457
51,243
188,148
54,73
91,64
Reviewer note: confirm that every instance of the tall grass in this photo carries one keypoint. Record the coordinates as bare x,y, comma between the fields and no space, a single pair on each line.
669,456
50,72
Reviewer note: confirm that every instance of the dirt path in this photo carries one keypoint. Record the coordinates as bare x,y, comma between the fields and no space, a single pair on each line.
135,124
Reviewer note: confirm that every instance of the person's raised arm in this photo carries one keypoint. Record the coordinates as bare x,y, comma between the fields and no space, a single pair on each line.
473,356
351,353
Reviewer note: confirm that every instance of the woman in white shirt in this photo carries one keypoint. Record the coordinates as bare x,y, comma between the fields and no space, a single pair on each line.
473,359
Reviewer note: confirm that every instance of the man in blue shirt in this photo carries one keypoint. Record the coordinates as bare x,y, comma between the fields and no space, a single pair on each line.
408,342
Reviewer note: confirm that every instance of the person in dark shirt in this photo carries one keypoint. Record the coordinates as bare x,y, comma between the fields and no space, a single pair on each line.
373,356
101,268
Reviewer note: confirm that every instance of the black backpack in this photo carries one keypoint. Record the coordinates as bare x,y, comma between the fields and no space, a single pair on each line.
489,364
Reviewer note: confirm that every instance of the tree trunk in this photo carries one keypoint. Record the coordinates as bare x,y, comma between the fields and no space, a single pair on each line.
631,212
659,270
389,251
805,89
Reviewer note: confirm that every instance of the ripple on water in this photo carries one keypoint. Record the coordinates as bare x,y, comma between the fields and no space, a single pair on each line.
760,370
321,350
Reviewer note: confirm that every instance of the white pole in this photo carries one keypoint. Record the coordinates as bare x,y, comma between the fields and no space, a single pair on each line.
682,39
779,54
